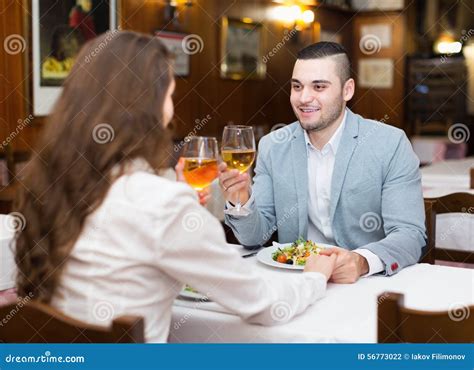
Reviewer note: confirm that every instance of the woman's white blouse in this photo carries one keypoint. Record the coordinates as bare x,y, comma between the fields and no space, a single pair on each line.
148,238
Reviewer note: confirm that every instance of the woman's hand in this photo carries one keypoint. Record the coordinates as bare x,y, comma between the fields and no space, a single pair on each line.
321,263
204,195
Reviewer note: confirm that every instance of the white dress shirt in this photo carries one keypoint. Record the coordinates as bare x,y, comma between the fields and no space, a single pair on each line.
148,238
320,170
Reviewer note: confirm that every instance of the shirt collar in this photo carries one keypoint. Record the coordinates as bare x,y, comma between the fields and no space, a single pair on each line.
333,142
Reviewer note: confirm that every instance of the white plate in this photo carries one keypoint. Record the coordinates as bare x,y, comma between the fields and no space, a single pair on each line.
265,256
188,294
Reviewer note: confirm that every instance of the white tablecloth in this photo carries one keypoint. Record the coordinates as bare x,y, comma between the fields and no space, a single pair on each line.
348,313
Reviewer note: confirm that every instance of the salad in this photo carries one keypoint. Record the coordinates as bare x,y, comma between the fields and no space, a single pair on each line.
297,253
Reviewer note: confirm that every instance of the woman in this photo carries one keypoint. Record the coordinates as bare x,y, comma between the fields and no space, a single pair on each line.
106,235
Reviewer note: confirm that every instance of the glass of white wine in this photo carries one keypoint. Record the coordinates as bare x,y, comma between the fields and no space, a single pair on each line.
200,155
238,152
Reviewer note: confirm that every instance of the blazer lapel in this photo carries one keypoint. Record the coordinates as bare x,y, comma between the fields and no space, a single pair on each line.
300,172
344,153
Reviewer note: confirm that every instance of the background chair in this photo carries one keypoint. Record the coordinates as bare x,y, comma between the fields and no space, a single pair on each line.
452,203
34,322
398,324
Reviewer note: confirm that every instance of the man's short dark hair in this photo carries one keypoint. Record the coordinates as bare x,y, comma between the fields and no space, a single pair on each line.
325,49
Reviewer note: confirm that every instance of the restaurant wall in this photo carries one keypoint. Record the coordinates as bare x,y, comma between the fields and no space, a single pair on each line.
203,95
386,104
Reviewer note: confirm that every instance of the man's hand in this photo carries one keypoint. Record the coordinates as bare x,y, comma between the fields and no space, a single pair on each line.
234,184
349,265
204,194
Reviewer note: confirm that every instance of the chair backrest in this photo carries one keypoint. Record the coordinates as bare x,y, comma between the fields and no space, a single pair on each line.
452,203
430,222
398,324
34,322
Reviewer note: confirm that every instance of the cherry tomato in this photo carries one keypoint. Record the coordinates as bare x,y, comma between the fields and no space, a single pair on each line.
281,258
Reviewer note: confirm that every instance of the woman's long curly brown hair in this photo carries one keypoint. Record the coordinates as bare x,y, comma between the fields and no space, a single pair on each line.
110,111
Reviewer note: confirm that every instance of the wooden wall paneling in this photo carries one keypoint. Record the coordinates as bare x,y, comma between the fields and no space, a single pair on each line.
376,103
200,86
4,127
15,98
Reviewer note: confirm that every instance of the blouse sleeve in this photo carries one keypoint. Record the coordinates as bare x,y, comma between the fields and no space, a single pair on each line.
191,248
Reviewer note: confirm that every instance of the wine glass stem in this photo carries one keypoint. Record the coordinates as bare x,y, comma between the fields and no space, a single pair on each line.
238,205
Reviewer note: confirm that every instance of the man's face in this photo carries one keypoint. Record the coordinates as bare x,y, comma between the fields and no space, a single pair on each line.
317,97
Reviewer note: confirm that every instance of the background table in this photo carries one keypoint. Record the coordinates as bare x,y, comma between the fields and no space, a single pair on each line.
450,173
431,149
348,313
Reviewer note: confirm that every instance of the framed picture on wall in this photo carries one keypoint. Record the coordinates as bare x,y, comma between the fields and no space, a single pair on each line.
242,50
175,41
60,28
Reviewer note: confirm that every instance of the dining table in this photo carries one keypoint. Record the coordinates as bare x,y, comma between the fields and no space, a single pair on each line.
346,314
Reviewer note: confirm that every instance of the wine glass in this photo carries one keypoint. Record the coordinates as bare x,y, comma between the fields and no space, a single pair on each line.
238,152
200,155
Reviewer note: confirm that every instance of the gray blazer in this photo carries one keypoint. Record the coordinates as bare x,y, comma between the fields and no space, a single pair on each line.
376,197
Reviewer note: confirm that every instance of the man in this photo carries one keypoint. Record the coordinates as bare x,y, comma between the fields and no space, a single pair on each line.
333,177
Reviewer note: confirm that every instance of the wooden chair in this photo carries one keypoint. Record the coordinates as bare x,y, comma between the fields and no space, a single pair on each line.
428,254
452,203
398,324
34,322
